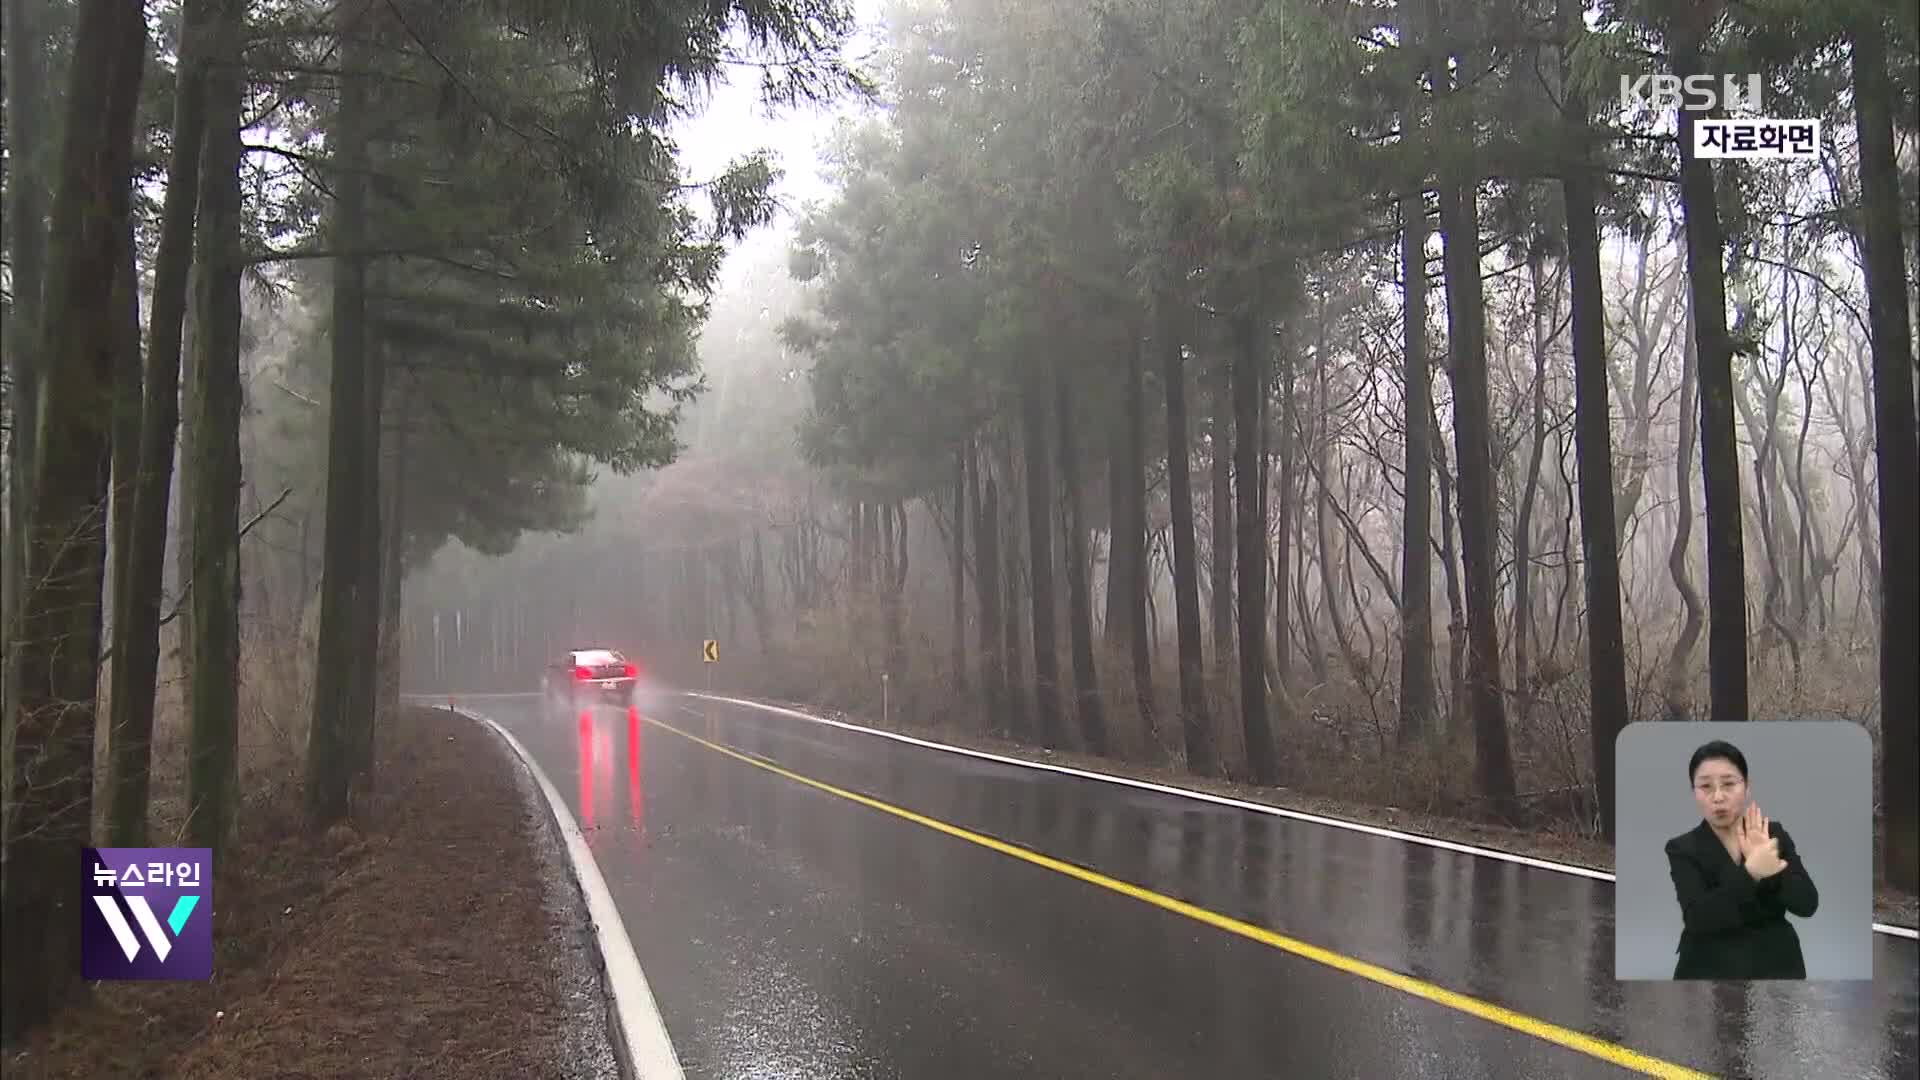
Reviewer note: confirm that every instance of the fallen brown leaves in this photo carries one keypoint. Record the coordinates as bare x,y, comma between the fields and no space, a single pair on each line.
406,944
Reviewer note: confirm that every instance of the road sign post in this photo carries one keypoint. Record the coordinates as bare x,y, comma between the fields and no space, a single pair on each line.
709,655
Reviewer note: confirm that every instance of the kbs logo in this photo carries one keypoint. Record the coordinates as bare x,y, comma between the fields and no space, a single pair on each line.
1722,136
1694,93
148,914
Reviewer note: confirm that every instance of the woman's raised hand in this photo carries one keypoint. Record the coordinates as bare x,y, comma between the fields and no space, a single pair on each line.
1759,852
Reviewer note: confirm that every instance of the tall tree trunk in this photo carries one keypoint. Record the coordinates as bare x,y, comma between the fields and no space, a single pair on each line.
1284,554
1303,599
870,564
1814,562
693,571
1647,328
1450,566
1329,569
757,601
870,569
125,439
1153,603
1249,392
1417,703
883,564
895,588
344,576
1086,682
364,713
1046,656
1673,685
136,634
856,545
1220,515
1203,757
1133,527
47,815
26,31
1019,691
1719,449
1764,433
1113,630
1265,451
959,572
986,582
183,476
1570,567
1593,441
1479,507
1522,631
1895,451
733,586
393,549
213,611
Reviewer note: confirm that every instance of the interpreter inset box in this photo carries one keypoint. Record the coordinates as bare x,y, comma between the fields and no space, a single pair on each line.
1743,851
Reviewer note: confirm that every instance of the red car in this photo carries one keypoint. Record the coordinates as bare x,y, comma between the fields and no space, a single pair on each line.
585,677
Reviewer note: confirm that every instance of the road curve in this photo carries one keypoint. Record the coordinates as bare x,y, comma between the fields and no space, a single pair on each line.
814,902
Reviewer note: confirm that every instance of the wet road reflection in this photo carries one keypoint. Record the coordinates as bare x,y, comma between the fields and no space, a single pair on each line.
789,933
636,805
585,768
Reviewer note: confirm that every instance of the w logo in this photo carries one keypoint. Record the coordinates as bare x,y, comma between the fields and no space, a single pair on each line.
143,914
147,913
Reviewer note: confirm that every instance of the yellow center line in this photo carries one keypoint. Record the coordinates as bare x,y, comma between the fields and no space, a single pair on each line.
1612,1053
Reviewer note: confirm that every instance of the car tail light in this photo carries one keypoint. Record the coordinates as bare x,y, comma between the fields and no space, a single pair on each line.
582,674
633,671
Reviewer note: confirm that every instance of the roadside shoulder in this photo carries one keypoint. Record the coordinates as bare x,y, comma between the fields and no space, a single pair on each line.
438,936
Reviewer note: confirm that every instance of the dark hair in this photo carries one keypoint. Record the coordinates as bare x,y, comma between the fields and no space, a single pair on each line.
1717,750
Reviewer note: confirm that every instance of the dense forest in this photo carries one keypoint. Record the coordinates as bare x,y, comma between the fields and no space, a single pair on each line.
296,292
1345,396
1309,393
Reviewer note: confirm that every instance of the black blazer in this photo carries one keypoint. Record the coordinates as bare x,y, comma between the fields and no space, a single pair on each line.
1735,927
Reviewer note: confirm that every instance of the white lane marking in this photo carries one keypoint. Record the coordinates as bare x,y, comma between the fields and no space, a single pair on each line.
1907,932
638,1028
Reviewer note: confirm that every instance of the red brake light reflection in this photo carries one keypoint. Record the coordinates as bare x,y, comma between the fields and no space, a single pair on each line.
586,769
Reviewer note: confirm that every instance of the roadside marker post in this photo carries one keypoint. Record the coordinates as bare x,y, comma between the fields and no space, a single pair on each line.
709,656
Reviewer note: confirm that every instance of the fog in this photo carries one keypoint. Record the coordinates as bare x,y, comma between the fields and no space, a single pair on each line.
963,288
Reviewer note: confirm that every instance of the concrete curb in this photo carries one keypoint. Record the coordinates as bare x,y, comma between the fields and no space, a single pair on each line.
640,1039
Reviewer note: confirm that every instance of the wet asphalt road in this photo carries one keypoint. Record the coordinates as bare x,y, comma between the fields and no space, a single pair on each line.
791,933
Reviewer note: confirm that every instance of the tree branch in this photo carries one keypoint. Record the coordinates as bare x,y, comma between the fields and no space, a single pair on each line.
186,588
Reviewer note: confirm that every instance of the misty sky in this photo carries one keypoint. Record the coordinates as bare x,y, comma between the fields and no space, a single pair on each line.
734,123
